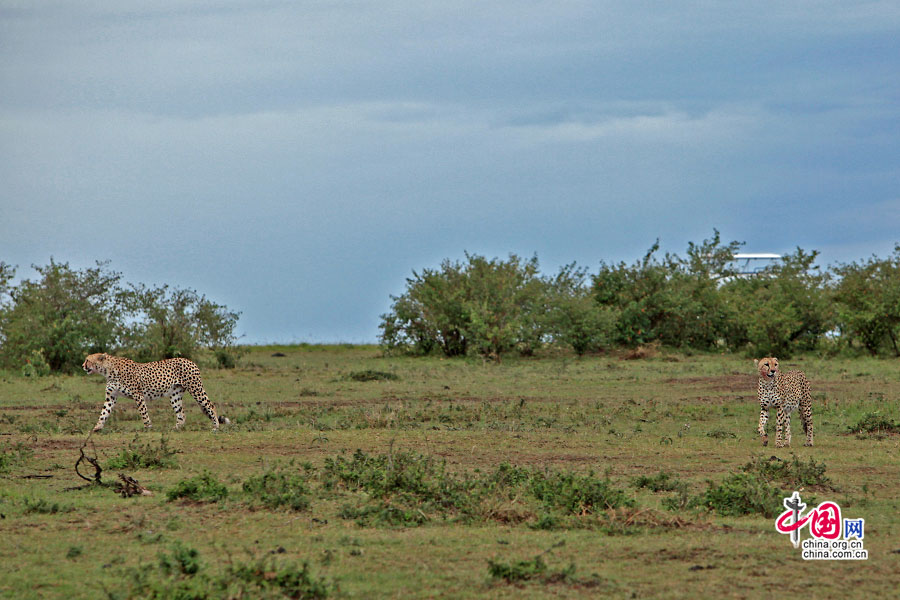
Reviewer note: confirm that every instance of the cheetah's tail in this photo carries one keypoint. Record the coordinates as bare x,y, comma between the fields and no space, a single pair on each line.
224,420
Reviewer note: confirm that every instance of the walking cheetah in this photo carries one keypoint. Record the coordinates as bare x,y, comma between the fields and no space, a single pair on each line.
786,392
146,381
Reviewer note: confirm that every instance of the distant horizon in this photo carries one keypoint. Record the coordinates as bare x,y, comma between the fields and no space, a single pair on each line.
333,341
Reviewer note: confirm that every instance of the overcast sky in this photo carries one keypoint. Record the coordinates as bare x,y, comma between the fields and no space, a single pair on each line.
297,160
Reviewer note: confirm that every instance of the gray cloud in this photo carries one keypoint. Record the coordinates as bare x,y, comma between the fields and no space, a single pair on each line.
297,161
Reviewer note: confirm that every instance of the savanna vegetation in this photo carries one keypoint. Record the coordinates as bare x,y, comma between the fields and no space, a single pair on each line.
51,323
696,302
350,474
612,452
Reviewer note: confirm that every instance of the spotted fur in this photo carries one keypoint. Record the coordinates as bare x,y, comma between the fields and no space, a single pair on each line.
146,381
786,392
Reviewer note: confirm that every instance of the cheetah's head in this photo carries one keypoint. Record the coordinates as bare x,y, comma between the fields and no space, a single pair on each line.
767,367
95,363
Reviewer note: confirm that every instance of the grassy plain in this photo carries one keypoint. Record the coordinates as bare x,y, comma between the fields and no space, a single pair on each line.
600,418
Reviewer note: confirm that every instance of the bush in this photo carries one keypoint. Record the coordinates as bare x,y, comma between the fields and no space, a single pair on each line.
13,455
60,318
875,423
577,494
202,488
673,301
661,482
36,365
371,375
575,318
54,322
792,474
492,306
743,494
786,309
528,570
184,560
278,487
867,296
176,323
145,456
181,575
409,489
45,507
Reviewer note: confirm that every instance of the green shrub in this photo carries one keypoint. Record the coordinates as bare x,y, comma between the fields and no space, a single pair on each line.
792,474
36,365
285,580
184,560
875,423
372,375
58,319
12,455
743,494
384,513
661,482
491,306
181,575
145,456
409,489
410,479
44,507
577,494
528,570
202,488
278,487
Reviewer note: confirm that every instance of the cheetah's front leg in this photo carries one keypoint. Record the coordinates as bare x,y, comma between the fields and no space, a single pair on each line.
782,419
107,409
763,419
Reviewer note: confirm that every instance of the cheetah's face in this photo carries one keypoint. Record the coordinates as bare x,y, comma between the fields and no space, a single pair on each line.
95,363
767,367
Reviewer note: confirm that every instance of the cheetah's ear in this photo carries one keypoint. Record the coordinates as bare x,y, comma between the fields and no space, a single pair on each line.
756,362
102,356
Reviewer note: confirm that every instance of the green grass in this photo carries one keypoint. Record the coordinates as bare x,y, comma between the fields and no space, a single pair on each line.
447,478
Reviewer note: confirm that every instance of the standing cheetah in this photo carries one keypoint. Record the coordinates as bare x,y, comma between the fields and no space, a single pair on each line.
786,392
146,381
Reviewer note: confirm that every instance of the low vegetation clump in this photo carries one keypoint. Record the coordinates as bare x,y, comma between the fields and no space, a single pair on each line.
280,486
181,575
535,569
791,474
409,489
741,494
42,506
576,494
372,375
661,482
757,489
202,488
145,456
401,487
875,424
13,454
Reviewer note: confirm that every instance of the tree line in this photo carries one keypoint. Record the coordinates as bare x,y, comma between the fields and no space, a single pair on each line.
696,302
51,323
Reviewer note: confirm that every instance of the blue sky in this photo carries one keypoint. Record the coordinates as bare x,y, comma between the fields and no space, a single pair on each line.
297,160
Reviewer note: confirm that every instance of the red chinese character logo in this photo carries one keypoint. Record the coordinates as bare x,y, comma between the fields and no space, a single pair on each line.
826,521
